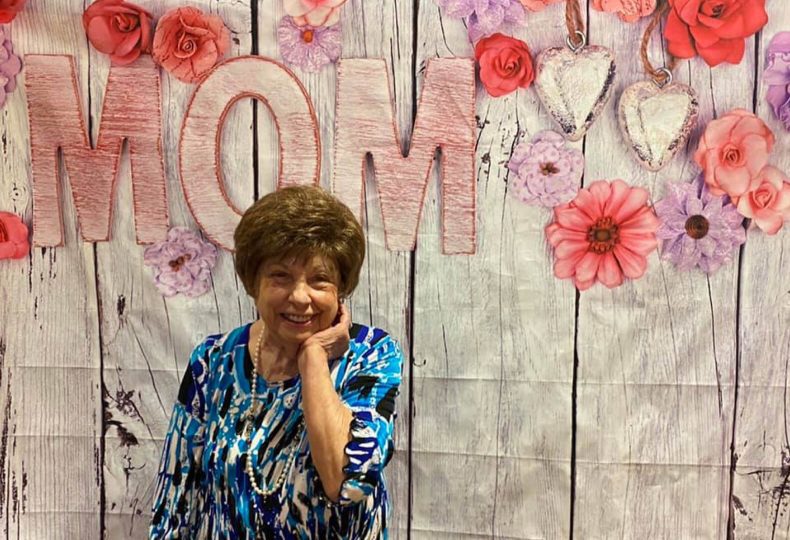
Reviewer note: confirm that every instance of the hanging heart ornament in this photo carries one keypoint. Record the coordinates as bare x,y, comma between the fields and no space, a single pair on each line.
656,120
574,84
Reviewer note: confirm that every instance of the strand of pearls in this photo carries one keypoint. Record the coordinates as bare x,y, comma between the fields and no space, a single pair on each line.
248,437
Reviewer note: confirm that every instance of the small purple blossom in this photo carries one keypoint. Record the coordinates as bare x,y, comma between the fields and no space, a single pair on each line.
308,47
698,229
484,17
182,263
777,77
10,66
546,172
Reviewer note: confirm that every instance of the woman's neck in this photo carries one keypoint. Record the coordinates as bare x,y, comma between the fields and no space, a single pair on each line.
276,360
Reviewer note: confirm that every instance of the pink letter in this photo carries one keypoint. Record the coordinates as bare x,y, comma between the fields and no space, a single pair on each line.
287,100
365,124
131,111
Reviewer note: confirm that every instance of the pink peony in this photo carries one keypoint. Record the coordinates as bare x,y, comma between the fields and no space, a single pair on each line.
314,12
537,5
733,149
627,10
13,237
604,234
769,203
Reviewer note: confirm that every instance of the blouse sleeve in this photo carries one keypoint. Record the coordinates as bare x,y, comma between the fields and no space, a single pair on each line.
180,481
370,393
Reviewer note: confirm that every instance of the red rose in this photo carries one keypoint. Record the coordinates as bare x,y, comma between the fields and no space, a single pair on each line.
505,64
119,29
9,9
714,29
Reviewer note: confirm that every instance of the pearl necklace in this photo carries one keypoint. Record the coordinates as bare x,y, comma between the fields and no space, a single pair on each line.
248,437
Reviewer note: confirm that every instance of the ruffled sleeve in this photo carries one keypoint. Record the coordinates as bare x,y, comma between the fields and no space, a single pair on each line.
370,393
180,490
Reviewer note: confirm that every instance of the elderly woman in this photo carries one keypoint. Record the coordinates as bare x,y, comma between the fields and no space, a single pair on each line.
283,426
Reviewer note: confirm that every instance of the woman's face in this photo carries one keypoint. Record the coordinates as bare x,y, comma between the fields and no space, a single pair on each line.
297,298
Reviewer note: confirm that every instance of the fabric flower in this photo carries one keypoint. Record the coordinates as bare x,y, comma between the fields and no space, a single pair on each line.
505,64
777,77
118,28
484,17
546,172
733,149
308,47
314,12
538,5
604,234
769,203
627,10
9,9
698,229
10,66
188,43
182,263
714,29
13,237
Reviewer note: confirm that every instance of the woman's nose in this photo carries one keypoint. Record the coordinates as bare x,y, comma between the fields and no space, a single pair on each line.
300,293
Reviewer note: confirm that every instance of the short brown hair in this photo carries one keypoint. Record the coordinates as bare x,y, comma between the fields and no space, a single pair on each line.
299,221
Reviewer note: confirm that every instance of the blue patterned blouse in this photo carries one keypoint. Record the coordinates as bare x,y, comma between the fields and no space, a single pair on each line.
203,490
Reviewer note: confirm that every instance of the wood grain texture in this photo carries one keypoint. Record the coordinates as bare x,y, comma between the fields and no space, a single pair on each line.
761,483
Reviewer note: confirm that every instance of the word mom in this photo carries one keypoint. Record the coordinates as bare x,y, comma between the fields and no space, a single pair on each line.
364,125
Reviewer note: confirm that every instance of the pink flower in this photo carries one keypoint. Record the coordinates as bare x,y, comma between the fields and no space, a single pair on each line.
118,28
10,66
627,10
769,203
13,237
733,149
308,47
314,12
604,234
182,263
537,5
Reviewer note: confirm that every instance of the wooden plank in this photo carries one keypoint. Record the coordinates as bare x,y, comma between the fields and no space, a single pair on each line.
371,29
49,333
761,483
493,337
147,338
657,356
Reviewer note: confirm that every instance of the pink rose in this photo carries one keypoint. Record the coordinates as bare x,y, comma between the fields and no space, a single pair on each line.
119,29
733,149
769,203
13,237
627,10
537,5
314,12
188,43
505,64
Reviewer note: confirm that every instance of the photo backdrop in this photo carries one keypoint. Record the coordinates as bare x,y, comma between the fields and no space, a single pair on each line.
529,410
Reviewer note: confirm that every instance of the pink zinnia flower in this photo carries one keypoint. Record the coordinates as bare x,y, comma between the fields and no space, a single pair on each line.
604,234
314,12
308,47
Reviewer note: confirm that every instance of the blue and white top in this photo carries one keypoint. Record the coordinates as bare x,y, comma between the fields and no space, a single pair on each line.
203,490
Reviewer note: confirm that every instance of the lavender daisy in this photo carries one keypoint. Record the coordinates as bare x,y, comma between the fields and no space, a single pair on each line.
484,17
182,263
546,172
698,229
308,47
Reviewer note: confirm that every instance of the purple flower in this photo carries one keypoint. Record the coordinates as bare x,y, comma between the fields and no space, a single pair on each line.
777,76
697,228
182,263
308,47
546,172
10,65
484,17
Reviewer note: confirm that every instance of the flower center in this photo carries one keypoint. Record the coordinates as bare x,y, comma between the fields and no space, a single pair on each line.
308,36
186,45
176,264
732,155
548,169
713,9
603,235
697,227
125,22
3,233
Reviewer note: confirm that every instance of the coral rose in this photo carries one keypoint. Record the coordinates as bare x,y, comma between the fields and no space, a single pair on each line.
714,29
119,29
733,149
188,43
13,237
505,64
627,10
604,234
537,5
9,9
769,203
314,12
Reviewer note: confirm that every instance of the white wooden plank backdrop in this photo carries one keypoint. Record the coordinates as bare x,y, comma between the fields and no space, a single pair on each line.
657,410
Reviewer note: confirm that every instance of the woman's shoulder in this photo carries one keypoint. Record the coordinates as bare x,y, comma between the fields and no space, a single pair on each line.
371,345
